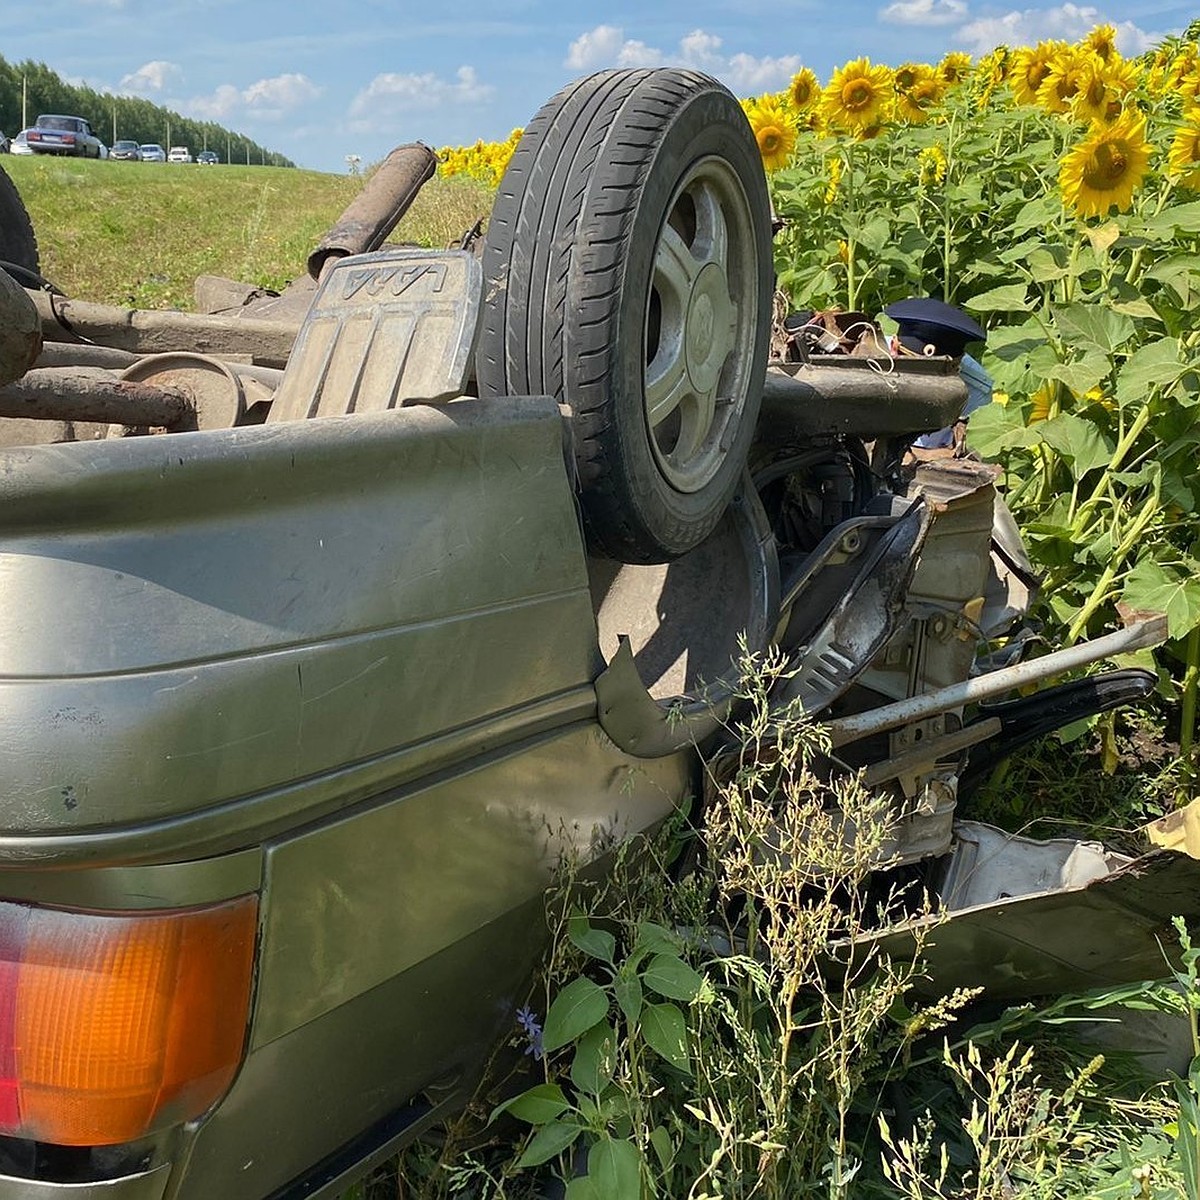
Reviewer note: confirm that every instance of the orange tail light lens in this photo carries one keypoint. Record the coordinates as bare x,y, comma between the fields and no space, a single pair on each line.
115,1024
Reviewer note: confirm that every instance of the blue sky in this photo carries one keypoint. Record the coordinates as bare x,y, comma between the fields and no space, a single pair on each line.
320,81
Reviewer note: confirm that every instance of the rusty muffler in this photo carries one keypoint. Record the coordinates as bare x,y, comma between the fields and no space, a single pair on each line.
373,214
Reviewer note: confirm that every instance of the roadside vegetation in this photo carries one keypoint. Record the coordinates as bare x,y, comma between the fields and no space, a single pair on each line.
139,233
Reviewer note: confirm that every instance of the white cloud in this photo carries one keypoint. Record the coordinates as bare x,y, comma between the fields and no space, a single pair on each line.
924,12
392,93
699,49
637,54
151,77
597,48
1068,22
280,94
267,98
748,75
607,46
219,106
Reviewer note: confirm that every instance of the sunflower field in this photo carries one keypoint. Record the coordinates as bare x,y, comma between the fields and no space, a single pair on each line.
1054,192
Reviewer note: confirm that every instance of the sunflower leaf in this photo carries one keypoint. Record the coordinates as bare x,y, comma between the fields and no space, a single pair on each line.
1009,298
1085,325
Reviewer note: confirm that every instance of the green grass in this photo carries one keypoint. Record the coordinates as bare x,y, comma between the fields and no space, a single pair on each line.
138,234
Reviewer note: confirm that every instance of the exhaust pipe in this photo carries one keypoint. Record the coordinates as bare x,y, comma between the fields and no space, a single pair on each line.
373,214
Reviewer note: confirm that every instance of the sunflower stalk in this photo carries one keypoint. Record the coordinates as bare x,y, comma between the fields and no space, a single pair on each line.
1101,590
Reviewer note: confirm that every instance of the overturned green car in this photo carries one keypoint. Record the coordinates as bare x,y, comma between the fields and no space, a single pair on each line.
332,621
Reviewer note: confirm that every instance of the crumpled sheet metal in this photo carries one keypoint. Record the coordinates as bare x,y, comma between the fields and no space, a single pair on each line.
1114,929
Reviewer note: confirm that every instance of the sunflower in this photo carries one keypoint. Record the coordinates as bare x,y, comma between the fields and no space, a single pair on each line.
1107,167
908,73
1102,42
1069,71
1041,403
1183,159
1104,88
1030,68
805,90
858,95
1182,65
993,68
931,166
915,104
835,179
774,131
955,67
1092,98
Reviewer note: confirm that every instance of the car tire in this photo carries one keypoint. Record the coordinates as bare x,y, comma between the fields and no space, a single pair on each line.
18,245
628,268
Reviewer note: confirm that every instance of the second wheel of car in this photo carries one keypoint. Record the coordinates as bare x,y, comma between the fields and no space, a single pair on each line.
628,271
18,245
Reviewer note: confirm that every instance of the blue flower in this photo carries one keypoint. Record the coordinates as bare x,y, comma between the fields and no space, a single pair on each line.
527,1020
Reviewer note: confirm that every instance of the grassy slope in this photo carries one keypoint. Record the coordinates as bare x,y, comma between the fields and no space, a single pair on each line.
139,233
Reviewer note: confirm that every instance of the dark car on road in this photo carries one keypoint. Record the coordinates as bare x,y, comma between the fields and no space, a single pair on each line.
207,158
126,151
64,135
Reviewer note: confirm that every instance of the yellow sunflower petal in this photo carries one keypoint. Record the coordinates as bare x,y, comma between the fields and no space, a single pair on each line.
805,90
1106,168
1183,159
774,131
858,96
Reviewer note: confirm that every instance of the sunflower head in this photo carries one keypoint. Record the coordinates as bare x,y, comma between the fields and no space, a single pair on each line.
931,166
1069,70
1092,97
1030,67
1107,167
1103,88
1183,159
858,96
805,90
955,67
835,179
916,104
774,131
993,67
908,73
1182,65
1040,403
1102,42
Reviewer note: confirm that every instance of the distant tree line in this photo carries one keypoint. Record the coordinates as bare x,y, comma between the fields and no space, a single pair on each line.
134,118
